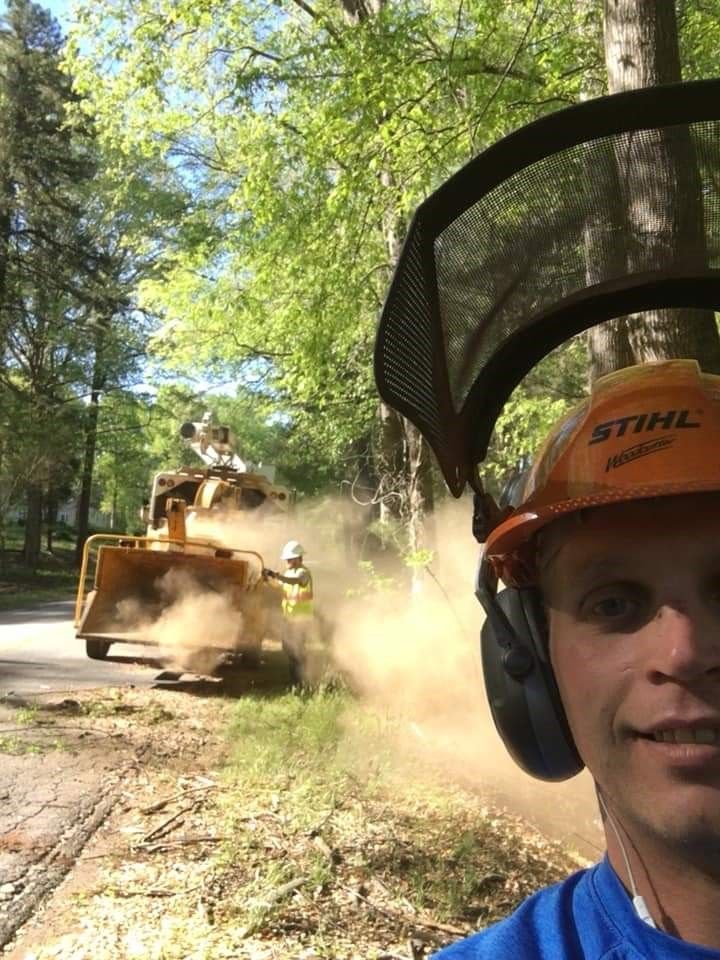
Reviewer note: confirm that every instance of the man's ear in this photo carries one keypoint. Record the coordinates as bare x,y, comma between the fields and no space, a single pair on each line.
521,687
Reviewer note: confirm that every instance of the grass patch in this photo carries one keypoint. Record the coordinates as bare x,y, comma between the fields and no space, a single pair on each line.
23,588
18,747
54,579
287,734
27,716
334,832
117,707
324,844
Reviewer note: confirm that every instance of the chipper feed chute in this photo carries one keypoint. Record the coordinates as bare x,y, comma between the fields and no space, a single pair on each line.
135,585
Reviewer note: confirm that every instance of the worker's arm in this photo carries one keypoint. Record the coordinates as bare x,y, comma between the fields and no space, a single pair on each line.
292,576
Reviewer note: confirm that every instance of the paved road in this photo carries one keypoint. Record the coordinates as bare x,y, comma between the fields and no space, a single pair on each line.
40,654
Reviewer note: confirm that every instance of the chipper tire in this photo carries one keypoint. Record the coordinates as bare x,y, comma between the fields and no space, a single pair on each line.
250,658
97,649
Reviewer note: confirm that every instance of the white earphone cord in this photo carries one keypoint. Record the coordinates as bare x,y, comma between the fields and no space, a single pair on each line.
641,908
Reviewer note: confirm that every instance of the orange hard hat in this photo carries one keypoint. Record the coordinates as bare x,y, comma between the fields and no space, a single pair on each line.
647,431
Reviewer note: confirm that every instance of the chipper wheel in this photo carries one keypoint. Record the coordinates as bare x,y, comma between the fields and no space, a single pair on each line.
96,649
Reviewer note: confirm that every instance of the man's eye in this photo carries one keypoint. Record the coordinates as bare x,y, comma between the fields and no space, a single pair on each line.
617,605
613,608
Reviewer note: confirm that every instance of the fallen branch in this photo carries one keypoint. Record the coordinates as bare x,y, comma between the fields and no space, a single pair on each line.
408,921
144,893
282,891
389,894
263,815
49,726
314,831
173,844
332,856
155,893
155,807
167,825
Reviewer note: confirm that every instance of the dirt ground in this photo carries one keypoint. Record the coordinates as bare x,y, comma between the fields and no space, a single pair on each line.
71,769
123,835
56,787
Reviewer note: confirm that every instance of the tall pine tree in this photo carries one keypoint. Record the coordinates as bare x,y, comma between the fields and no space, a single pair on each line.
44,252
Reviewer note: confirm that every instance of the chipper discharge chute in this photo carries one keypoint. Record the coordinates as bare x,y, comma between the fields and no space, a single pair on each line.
143,595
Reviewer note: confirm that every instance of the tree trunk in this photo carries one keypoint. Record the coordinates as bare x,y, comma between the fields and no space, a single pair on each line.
33,526
608,343
91,425
419,503
389,464
83,507
609,347
360,485
420,495
641,44
5,234
51,507
5,227
404,464
4,498
113,507
660,185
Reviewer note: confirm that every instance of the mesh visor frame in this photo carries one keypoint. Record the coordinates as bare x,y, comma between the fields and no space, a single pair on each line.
411,357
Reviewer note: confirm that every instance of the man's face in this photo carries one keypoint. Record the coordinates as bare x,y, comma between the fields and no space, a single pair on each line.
293,562
633,601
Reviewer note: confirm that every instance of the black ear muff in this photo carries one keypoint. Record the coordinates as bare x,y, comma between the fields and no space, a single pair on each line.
520,684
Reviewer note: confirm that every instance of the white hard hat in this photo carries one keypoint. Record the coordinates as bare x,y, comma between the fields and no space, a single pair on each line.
292,550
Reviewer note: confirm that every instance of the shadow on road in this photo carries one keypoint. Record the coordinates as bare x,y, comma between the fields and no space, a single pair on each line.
23,668
269,679
138,661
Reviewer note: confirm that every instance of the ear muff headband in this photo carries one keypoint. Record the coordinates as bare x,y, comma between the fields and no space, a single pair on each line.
519,681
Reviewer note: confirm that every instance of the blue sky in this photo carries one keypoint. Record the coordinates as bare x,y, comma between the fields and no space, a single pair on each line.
59,8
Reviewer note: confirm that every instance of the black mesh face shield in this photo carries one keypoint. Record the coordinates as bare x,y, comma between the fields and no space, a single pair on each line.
605,209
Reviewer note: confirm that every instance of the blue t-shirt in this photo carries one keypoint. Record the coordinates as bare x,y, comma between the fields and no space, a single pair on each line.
589,916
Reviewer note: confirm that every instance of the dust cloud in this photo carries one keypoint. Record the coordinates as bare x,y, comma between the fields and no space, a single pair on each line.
415,654
410,654
190,623
194,618
418,657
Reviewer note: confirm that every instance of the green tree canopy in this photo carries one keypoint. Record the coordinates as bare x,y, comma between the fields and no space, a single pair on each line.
306,136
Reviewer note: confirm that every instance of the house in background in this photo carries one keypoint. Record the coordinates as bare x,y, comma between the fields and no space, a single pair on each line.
67,513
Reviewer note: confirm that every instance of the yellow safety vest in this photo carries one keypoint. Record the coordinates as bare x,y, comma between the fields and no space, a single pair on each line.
298,599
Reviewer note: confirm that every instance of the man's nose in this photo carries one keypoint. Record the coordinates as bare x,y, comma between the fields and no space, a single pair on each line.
683,645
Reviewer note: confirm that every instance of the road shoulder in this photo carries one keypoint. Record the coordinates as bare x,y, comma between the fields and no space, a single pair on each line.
284,826
72,769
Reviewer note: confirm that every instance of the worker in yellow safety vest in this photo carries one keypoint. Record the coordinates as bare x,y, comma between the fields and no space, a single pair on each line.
297,605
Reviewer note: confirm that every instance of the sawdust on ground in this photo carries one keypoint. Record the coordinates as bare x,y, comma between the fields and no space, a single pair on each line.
188,867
